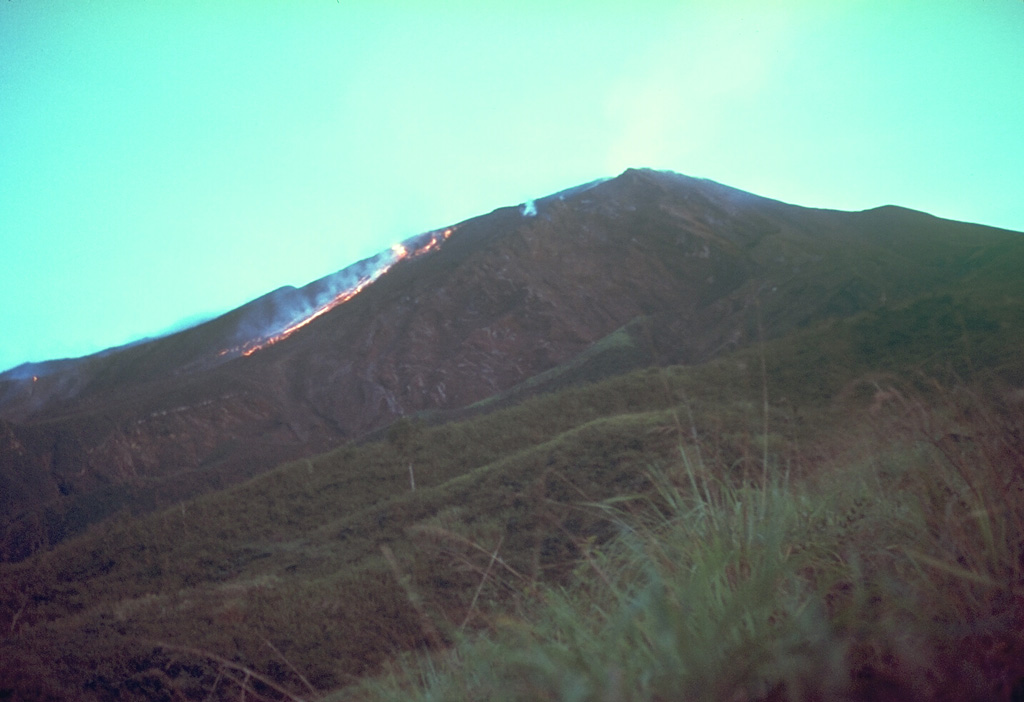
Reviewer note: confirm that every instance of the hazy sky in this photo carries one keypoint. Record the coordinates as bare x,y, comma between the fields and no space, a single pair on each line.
165,159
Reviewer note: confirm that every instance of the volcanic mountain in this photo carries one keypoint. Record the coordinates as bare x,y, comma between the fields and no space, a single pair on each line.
646,268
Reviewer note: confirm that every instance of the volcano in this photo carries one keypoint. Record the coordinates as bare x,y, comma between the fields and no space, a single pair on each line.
647,268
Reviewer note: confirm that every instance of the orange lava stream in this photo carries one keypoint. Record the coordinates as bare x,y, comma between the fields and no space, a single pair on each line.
249,350
399,251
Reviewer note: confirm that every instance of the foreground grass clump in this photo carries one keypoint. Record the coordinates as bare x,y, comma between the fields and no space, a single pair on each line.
894,574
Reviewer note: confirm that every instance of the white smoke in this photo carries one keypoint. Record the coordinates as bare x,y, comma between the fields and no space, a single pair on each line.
529,209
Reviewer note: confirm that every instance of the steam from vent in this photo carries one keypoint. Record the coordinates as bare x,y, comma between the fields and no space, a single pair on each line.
276,316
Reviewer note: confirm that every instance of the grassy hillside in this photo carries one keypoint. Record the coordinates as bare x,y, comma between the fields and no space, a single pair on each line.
833,512
892,571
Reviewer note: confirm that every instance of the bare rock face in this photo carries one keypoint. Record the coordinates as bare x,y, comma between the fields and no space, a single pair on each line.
495,301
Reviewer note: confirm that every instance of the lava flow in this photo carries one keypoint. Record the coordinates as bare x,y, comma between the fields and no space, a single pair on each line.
411,248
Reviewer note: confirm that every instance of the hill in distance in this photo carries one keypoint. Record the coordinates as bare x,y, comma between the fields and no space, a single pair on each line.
287,506
665,268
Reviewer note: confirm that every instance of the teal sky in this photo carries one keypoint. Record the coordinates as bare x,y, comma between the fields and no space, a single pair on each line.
167,159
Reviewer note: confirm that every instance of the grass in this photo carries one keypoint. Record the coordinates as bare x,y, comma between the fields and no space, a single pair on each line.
896,574
655,535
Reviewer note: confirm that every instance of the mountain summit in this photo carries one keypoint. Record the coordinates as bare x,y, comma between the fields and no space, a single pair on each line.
646,268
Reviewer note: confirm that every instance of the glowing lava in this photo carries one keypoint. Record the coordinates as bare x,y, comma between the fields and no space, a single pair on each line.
411,248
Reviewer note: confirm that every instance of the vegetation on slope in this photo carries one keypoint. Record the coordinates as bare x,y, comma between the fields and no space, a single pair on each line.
895,573
837,508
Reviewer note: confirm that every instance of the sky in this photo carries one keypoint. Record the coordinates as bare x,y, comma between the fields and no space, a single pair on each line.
165,161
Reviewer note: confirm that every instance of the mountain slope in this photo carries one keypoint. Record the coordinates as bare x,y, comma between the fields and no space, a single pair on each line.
690,268
343,560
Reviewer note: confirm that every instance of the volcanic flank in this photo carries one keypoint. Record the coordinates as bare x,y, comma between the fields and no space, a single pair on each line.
646,268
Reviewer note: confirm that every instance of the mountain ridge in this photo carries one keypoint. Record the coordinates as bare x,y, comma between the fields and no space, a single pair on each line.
694,268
